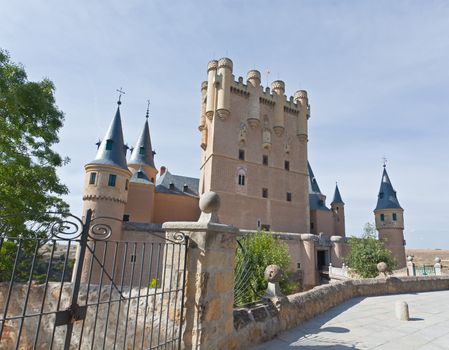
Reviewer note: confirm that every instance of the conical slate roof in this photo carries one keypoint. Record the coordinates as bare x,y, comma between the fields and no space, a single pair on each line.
112,150
337,196
313,184
387,195
317,200
142,153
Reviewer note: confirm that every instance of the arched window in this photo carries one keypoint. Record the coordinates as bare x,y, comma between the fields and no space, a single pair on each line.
241,176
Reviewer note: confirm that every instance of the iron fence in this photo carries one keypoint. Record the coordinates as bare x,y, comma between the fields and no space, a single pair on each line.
68,283
245,291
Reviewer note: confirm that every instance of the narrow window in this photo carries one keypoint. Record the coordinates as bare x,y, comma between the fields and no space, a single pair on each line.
311,225
126,185
142,150
93,178
126,217
109,144
133,258
289,196
395,217
265,192
242,180
382,217
112,180
241,154
265,159
287,165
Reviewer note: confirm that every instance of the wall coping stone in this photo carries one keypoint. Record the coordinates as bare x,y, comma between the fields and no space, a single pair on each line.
199,226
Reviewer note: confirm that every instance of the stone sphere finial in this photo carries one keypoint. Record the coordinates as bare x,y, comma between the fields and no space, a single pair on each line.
209,202
437,260
410,258
382,267
273,273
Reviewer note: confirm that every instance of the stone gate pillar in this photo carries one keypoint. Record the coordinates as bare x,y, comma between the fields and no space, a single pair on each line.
209,293
308,260
337,250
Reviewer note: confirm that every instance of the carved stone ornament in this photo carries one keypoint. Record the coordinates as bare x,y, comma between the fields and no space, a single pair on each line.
287,144
242,132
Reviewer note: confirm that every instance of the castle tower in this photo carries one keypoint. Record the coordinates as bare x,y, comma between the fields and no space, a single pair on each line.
106,184
390,220
254,150
338,210
140,205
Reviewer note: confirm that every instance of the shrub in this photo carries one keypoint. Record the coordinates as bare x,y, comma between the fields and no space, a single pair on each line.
366,252
259,250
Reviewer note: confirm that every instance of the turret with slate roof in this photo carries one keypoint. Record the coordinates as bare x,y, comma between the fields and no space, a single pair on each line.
106,186
112,149
142,155
389,217
338,210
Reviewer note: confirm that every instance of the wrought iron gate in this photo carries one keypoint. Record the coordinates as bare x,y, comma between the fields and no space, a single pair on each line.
67,283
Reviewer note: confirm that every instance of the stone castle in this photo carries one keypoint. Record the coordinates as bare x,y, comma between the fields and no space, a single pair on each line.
254,155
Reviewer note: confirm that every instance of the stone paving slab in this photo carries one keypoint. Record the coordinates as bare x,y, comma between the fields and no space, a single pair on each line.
370,323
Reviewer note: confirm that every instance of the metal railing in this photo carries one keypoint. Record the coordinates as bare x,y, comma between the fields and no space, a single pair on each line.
68,283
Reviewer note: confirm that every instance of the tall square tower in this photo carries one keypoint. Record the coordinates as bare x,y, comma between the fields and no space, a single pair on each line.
254,150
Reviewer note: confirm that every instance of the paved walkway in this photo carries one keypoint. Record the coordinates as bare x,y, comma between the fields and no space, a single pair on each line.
370,323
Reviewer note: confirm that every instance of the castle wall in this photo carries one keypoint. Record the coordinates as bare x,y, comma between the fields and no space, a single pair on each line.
323,221
172,207
140,205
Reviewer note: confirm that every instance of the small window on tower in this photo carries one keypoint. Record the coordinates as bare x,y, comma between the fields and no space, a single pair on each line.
93,178
265,192
311,225
133,258
241,154
287,165
126,217
382,217
142,150
109,144
112,180
265,159
395,217
126,185
289,196
241,180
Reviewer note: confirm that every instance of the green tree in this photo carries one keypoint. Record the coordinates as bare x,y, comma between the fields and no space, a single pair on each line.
366,252
29,185
257,251
29,125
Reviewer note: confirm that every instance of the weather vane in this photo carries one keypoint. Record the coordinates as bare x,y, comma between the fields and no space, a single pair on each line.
267,75
148,109
121,92
384,160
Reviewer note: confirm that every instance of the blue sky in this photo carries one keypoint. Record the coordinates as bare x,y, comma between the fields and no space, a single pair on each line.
376,73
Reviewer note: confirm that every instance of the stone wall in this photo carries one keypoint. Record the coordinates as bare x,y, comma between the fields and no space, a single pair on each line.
136,318
262,322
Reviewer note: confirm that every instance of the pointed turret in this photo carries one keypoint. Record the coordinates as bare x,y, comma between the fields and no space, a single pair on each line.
112,150
337,197
313,184
142,156
387,195
390,219
338,210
